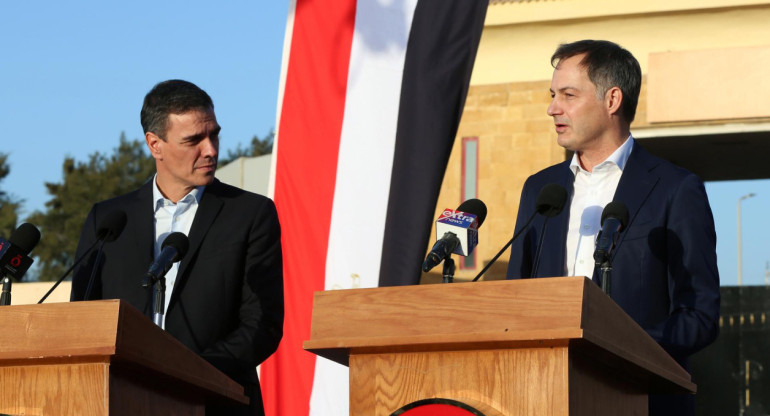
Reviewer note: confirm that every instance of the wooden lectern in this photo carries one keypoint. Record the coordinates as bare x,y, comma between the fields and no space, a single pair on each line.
555,346
100,358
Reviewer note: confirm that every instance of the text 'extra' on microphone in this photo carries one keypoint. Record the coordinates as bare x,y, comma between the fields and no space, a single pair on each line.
173,249
550,202
14,257
613,222
457,231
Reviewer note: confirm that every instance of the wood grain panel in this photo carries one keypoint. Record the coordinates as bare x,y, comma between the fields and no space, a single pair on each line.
512,382
61,390
462,312
48,330
596,391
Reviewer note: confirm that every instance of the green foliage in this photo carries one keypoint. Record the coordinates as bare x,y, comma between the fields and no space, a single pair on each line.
85,183
257,147
9,207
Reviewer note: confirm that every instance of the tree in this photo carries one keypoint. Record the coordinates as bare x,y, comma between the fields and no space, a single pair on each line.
101,177
9,207
257,147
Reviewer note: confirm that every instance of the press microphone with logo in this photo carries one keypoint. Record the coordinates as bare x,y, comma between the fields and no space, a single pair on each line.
614,220
457,231
109,229
173,249
549,203
14,257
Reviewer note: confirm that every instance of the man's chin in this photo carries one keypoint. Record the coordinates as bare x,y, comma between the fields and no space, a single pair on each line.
205,180
565,143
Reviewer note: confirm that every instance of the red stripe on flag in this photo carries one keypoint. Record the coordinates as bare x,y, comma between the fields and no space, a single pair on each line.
306,164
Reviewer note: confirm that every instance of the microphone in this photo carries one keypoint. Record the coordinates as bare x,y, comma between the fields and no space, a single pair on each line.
14,257
459,231
551,200
109,229
614,220
173,249
14,252
549,203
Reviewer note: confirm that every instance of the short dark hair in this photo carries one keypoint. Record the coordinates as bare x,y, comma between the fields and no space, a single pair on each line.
608,65
174,96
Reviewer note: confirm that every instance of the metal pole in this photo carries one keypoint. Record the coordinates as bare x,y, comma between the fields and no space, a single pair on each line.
740,249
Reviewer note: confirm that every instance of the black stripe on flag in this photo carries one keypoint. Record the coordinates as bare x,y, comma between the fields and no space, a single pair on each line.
439,60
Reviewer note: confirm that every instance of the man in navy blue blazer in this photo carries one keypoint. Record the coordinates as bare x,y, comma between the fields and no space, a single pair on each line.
664,269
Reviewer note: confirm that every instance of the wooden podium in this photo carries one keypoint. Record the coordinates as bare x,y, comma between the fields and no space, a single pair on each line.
555,346
100,358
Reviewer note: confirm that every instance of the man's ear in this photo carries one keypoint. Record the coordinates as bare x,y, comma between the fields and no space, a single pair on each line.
613,100
153,143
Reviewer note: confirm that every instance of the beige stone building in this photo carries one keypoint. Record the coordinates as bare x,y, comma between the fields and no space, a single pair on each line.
705,100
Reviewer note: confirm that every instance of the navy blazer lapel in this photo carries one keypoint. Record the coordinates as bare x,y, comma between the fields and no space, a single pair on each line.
636,183
207,212
143,234
553,255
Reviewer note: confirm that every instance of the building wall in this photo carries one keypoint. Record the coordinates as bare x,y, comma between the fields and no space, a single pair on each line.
509,94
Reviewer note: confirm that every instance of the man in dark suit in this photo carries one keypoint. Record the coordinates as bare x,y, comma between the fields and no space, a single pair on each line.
225,298
664,271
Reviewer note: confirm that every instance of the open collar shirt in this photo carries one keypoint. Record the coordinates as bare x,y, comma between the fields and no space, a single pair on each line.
592,192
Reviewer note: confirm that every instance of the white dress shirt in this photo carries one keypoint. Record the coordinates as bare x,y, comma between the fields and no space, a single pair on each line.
592,192
170,218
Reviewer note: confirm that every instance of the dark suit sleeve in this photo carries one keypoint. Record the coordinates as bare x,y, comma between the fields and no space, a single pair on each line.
260,316
82,272
693,278
520,262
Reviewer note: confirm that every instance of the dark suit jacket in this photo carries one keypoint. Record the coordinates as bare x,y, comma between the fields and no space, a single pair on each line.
227,303
664,265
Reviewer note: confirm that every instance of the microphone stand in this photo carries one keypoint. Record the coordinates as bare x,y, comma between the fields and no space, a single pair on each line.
449,270
5,298
539,248
91,279
61,279
606,268
499,253
159,301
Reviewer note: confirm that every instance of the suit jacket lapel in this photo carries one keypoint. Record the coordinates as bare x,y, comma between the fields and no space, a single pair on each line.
553,256
207,212
636,183
143,234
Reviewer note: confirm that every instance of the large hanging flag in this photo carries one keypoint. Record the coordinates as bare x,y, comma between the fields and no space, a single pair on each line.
371,96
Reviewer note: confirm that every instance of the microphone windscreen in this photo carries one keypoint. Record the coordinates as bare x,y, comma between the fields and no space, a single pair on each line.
617,210
111,226
25,237
551,200
476,207
179,242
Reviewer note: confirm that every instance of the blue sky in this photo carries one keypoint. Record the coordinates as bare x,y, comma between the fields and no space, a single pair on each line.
73,76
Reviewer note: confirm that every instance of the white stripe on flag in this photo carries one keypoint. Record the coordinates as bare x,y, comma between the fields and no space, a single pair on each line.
364,169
